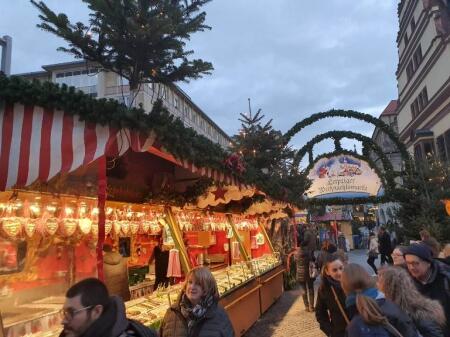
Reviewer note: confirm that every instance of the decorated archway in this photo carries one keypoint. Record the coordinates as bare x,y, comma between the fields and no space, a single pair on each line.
350,162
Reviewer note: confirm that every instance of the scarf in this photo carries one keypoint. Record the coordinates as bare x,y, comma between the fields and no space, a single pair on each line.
369,292
194,313
332,282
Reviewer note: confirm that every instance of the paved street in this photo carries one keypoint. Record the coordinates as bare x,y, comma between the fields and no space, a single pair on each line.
288,317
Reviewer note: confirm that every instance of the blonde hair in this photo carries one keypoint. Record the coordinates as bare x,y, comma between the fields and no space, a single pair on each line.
446,250
355,279
399,288
206,280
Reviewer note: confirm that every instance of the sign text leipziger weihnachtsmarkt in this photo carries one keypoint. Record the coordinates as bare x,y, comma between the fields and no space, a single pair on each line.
343,176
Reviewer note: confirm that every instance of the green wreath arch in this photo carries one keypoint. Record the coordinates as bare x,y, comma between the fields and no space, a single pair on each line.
356,115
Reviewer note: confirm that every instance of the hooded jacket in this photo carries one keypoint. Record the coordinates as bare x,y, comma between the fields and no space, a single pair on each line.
114,323
396,317
215,323
328,314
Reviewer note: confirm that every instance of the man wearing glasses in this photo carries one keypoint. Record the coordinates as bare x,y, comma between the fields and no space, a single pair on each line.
432,277
89,311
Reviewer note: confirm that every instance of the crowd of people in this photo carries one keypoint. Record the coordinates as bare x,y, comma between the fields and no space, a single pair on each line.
90,311
407,296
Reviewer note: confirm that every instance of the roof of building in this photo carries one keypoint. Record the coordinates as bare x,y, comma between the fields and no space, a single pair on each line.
391,109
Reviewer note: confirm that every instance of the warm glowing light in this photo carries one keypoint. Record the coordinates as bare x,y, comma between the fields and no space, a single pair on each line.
69,211
35,209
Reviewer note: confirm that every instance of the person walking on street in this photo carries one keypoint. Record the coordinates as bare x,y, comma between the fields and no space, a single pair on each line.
385,246
89,311
427,315
197,312
431,277
373,252
372,315
304,278
330,306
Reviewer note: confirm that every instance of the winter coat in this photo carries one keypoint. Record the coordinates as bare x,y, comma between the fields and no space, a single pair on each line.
114,323
328,314
309,241
385,244
303,259
373,245
438,288
429,328
401,321
115,270
215,323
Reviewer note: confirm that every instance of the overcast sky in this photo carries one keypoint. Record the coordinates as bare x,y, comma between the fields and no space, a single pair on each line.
291,57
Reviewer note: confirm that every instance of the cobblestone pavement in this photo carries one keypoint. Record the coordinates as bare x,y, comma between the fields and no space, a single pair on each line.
288,318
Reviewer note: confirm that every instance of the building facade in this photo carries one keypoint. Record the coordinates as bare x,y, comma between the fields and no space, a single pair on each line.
385,213
423,77
102,84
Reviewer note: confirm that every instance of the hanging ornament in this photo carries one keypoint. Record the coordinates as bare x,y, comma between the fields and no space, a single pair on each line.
12,226
134,227
219,193
125,226
30,227
69,226
145,225
108,226
51,226
447,206
85,225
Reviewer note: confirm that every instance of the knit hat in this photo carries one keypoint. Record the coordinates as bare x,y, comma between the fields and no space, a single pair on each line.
420,250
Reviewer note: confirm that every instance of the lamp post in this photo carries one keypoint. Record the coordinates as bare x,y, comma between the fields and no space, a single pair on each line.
6,44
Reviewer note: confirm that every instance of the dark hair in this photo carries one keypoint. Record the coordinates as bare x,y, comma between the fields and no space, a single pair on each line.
92,291
355,279
434,245
330,259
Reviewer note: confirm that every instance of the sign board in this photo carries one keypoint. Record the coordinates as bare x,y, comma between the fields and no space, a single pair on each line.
343,176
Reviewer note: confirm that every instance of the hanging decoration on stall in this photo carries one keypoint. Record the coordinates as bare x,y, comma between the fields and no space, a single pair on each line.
224,195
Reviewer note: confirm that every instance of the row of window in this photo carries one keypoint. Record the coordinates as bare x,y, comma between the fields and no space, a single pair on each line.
414,63
79,78
172,98
426,148
419,103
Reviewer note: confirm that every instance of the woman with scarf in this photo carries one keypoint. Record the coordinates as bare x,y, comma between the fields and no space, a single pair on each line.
427,314
372,315
330,306
197,312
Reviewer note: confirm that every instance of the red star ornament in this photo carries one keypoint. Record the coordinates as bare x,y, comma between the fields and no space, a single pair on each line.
219,193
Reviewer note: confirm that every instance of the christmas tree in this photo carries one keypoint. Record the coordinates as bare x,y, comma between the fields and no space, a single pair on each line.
140,40
268,159
421,205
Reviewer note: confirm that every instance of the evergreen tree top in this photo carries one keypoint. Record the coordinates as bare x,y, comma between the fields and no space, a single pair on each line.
141,40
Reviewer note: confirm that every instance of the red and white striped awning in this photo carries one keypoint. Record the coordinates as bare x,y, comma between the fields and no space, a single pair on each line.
38,144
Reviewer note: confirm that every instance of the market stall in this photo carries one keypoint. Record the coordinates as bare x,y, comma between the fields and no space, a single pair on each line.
69,197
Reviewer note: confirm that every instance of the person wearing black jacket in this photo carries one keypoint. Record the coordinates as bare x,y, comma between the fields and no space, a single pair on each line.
431,277
89,311
385,246
330,306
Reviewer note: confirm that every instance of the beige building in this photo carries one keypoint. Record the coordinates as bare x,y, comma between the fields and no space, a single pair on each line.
102,84
423,77
385,213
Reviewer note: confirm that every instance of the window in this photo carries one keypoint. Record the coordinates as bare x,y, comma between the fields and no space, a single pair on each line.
187,111
406,39
419,103
418,152
447,143
440,145
428,148
414,63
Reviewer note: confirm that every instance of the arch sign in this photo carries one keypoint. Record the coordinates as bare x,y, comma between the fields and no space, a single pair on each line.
343,176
